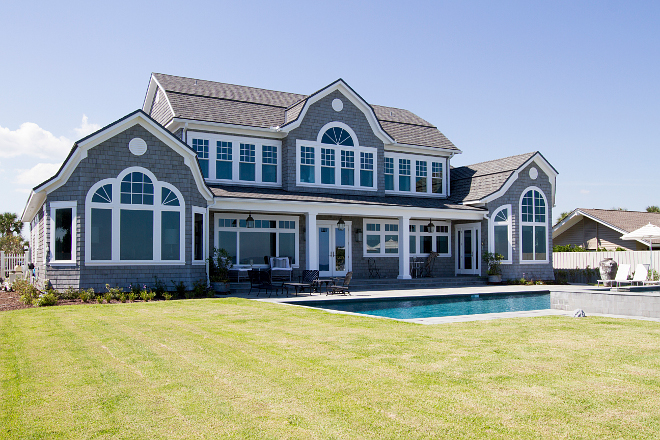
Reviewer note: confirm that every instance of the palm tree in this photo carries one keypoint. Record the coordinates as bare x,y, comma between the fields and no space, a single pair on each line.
652,208
10,224
562,216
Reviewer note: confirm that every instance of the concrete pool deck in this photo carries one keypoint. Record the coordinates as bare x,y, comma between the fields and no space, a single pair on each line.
596,301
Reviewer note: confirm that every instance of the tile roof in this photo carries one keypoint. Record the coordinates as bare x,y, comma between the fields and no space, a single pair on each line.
474,182
280,194
219,102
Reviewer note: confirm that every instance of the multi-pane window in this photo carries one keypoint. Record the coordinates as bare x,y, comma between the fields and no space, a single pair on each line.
246,165
328,166
137,189
501,233
269,164
534,228
404,174
381,237
436,175
389,173
373,238
63,234
420,173
337,136
223,164
307,173
347,167
201,147
424,240
367,169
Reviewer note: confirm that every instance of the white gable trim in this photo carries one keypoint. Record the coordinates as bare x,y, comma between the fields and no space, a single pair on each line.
154,85
541,162
568,222
360,103
82,147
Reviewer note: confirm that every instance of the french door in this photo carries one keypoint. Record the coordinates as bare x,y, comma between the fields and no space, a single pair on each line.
334,249
468,252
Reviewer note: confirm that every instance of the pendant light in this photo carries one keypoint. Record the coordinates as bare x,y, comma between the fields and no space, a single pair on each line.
249,221
430,226
340,224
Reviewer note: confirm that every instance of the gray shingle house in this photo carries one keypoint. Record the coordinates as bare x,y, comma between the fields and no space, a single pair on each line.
328,180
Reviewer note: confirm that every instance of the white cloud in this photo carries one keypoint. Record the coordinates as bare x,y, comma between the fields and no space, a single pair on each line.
86,128
584,191
37,174
32,140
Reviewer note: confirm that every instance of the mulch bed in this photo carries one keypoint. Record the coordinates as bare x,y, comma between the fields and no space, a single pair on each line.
11,301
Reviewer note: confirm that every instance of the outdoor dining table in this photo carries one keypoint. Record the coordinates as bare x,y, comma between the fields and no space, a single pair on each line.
326,282
300,287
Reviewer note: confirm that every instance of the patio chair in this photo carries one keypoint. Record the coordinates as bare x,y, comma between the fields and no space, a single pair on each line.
280,267
621,275
266,283
427,270
344,288
641,275
374,270
310,277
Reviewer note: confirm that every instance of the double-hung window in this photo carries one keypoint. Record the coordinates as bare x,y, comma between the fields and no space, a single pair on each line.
269,163
367,169
347,168
223,164
420,181
389,174
404,174
436,176
307,171
429,179
201,147
63,218
247,164
534,227
328,166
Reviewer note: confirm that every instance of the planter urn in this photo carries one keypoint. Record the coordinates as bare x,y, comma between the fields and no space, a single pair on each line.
494,279
608,268
220,287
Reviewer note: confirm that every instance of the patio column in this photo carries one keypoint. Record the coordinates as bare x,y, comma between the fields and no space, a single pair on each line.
404,248
311,242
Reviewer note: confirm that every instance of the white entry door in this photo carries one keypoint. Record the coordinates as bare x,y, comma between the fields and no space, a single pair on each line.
334,249
468,252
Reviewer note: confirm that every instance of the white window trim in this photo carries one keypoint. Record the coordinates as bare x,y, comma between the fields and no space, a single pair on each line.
54,206
382,233
157,208
491,231
241,216
44,226
205,233
413,158
547,217
330,125
434,241
236,142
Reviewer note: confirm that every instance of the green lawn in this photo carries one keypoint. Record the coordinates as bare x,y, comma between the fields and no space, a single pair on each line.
232,368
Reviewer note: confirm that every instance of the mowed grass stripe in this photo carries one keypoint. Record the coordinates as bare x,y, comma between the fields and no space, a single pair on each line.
243,369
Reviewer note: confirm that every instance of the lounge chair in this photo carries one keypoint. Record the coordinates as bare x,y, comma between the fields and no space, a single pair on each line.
641,276
280,267
621,275
344,288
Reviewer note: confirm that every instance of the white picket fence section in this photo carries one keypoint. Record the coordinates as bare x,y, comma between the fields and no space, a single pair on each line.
9,261
580,260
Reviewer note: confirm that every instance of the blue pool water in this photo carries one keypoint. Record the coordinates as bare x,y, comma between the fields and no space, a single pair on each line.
428,307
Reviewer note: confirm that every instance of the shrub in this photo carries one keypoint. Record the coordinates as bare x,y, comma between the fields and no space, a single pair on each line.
159,287
26,291
84,295
113,292
180,289
167,295
99,299
146,295
122,297
131,296
46,299
568,248
199,288
109,297
68,294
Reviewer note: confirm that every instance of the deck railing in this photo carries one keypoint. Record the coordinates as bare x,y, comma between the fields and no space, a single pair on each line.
9,261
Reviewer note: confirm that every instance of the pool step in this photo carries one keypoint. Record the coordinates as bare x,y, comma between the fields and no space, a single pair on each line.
375,284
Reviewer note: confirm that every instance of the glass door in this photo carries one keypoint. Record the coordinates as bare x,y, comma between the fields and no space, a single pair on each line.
468,255
334,249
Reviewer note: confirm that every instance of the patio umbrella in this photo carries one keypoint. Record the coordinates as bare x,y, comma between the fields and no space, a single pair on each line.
645,233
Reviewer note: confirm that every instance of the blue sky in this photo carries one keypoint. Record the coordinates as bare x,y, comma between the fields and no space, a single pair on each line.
578,81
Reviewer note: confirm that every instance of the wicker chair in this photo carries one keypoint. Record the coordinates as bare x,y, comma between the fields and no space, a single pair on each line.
427,270
344,288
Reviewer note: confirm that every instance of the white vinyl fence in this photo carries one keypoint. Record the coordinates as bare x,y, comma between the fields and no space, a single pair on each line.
9,261
582,260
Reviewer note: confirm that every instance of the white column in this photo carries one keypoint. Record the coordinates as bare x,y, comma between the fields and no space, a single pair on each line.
311,242
404,248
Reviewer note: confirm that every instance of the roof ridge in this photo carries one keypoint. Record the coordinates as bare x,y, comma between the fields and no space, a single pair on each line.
224,83
498,160
617,210
227,99
481,175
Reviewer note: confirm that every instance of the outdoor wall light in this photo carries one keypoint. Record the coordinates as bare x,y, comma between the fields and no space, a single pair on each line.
430,226
358,235
341,225
249,221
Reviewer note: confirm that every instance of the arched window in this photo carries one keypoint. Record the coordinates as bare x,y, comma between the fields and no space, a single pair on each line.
533,226
337,136
126,224
500,233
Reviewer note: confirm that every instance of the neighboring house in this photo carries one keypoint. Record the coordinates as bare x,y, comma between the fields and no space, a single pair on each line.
325,179
602,229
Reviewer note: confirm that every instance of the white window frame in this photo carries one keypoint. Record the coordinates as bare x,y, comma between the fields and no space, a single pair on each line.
205,233
414,158
491,231
157,208
54,206
277,230
534,223
357,149
236,142
382,222
434,240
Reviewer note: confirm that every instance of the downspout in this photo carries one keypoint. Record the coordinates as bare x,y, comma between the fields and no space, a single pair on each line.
184,135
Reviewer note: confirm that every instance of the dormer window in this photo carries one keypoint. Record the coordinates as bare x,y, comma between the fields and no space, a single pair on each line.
336,159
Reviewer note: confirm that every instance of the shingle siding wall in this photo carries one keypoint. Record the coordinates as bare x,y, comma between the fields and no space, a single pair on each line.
107,160
319,114
513,196
160,110
591,234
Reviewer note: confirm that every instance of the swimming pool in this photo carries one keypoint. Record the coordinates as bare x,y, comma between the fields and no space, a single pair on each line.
435,306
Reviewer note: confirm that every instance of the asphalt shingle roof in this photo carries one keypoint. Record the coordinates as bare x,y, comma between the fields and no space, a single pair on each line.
474,182
219,102
625,220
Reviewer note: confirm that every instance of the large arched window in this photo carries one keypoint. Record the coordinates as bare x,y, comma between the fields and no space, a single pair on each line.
533,226
500,233
134,219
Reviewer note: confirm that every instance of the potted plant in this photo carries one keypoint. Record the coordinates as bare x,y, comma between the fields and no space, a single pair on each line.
219,265
494,269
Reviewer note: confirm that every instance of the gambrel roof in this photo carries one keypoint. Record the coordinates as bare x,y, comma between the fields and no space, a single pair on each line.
209,101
